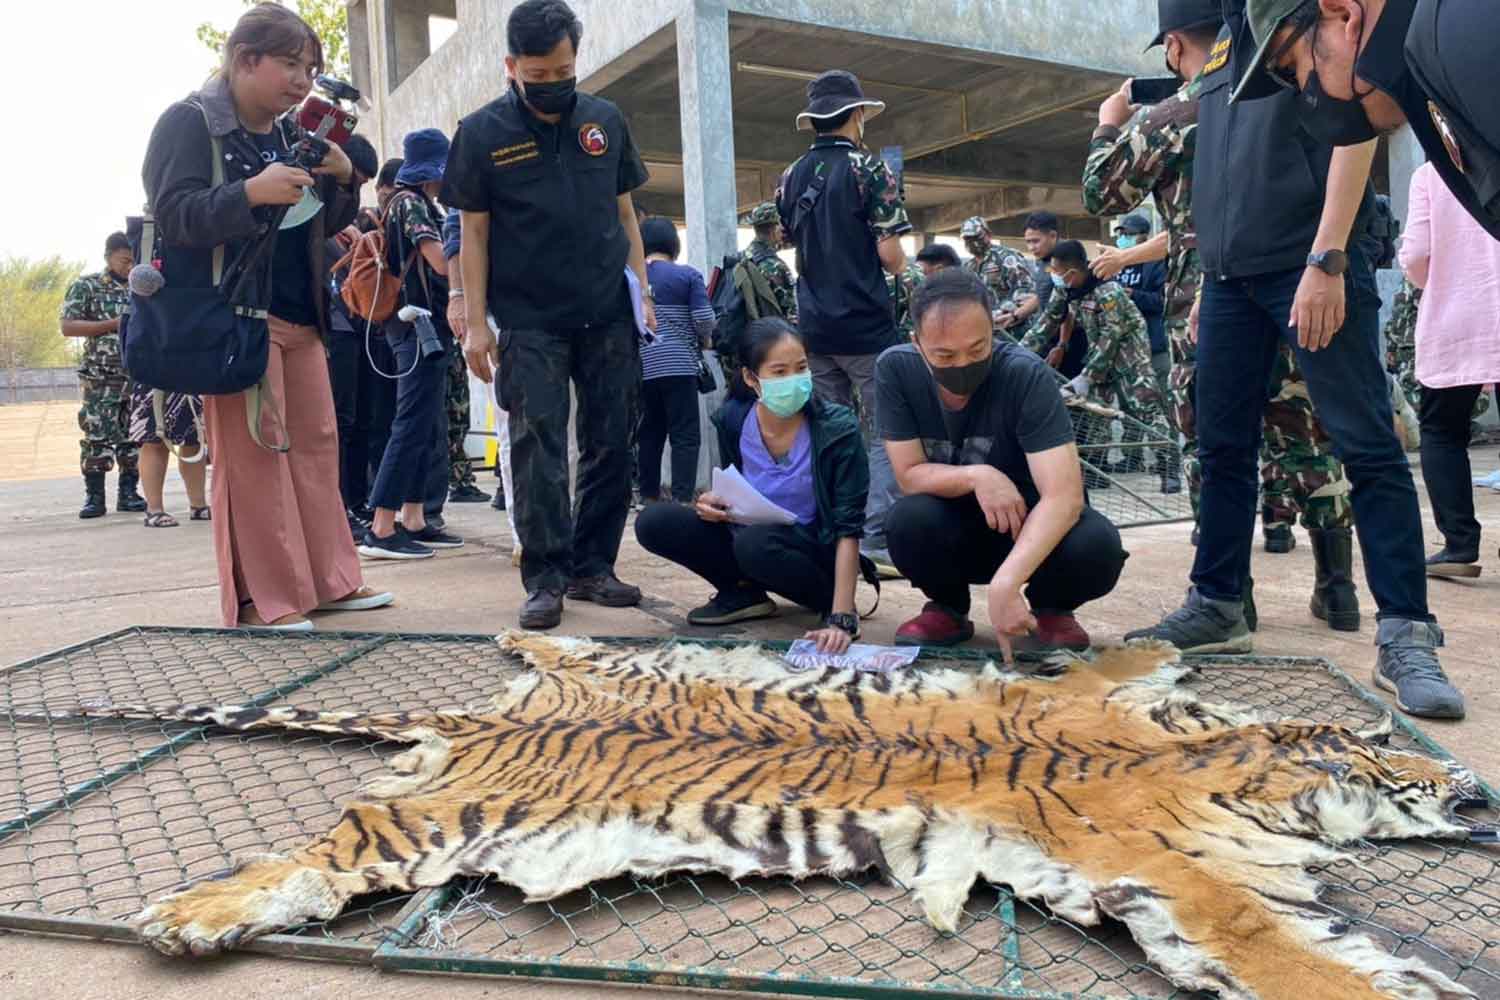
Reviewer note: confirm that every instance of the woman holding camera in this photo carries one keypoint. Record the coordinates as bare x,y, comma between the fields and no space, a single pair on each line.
801,453
280,535
414,249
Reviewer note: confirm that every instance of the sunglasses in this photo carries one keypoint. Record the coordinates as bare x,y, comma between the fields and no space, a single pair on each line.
1301,21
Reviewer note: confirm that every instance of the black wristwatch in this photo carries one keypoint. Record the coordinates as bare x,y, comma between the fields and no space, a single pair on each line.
1334,262
843,620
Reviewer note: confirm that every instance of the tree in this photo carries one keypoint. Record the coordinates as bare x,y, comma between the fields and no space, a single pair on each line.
328,18
31,294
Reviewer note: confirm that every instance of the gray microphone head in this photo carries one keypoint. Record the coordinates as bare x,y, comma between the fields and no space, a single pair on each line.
146,280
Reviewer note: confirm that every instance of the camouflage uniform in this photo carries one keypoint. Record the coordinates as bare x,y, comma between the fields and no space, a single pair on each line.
1118,364
104,416
460,468
901,295
1005,272
1153,154
763,255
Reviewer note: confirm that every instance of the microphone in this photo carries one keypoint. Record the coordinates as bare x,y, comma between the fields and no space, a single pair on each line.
146,280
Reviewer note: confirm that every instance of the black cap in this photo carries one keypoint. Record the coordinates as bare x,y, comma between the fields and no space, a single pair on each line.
1175,15
1134,223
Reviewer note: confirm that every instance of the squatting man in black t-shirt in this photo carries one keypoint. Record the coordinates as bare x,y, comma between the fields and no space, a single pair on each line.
983,449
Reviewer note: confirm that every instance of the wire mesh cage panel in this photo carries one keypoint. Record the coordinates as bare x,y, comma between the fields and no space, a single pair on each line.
1133,472
97,817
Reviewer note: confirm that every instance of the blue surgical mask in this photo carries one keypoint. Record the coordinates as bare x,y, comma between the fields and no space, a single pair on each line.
787,396
1059,283
1125,241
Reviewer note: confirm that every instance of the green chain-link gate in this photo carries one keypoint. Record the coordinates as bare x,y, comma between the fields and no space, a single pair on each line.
98,816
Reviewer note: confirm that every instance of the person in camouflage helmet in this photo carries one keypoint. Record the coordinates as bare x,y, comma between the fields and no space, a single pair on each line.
1138,152
91,310
1004,271
1117,368
761,252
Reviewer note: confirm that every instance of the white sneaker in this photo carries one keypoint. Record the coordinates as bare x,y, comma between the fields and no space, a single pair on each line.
1492,480
366,602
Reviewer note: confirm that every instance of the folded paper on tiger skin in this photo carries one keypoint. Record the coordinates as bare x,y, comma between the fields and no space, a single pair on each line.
1095,788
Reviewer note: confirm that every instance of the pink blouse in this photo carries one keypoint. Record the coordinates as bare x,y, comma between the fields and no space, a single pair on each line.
1457,265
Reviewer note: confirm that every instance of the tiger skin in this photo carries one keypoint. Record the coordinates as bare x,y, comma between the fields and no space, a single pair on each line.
1098,789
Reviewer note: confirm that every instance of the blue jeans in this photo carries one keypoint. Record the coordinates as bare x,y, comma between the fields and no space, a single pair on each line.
406,465
1240,324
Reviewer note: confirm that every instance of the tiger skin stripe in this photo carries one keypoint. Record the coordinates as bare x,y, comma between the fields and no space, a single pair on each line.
1095,788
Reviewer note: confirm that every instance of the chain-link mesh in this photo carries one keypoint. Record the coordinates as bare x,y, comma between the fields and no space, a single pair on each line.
1133,472
99,816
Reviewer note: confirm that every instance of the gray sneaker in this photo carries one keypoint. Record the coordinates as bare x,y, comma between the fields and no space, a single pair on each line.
1202,625
1408,668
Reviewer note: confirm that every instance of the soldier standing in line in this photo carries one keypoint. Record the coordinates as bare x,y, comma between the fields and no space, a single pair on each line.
91,310
461,484
1117,369
761,252
1137,152
1004,271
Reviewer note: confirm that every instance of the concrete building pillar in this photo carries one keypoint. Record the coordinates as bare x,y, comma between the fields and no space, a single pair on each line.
707,106
1404,157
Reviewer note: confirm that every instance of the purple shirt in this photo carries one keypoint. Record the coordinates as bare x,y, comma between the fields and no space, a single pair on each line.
788,483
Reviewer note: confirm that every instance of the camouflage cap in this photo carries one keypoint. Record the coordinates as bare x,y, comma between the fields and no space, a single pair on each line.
974,226
764,214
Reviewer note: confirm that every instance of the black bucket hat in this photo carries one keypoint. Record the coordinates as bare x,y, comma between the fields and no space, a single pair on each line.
834,92
1176,15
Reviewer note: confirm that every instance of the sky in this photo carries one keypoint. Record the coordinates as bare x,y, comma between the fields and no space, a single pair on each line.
96,74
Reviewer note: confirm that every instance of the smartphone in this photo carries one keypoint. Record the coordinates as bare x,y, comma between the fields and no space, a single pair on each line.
1153,89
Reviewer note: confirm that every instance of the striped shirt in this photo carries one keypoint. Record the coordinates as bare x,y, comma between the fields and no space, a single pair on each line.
681,304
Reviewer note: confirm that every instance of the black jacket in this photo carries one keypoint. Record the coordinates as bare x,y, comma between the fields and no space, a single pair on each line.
1147,285
1258,175
193,217
841,466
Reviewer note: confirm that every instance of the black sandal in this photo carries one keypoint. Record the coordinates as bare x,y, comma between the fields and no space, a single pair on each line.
200,514
161,519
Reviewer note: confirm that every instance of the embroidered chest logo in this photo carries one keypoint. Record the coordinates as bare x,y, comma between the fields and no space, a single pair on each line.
1217,57
1450,141
521,152
593,139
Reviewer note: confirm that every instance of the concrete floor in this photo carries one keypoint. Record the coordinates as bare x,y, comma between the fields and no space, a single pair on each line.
62,581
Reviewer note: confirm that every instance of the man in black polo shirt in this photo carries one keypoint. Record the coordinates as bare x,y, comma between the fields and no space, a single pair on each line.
983,448
1367,67
844,213
542,176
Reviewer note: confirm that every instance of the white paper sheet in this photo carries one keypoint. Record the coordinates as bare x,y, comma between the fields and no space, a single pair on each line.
804,655
745,502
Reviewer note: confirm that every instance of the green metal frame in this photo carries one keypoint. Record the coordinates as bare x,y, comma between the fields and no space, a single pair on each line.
396,950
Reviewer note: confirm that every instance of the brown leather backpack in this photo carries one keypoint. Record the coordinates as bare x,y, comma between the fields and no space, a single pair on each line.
369,290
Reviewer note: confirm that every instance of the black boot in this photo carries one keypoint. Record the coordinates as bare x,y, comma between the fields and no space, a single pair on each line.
1334,599
1279,538
93,496
1247,595
1169,469
127,500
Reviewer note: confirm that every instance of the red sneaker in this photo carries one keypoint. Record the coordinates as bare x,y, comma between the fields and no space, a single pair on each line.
1054,630
935,626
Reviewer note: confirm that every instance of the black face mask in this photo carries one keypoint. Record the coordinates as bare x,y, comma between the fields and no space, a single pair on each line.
549,98
962,380
1327,119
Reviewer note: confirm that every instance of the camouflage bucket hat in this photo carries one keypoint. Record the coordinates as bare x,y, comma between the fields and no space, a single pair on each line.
764,214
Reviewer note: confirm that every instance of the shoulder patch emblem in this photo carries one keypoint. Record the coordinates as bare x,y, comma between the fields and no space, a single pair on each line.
593,139
1450,141
1217,57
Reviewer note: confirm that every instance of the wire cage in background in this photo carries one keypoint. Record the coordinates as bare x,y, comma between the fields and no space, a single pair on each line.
99,816
1127,466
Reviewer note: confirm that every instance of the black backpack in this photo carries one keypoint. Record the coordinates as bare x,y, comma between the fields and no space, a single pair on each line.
740,294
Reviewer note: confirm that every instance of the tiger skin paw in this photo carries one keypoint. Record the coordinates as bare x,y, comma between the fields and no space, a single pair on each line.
260,898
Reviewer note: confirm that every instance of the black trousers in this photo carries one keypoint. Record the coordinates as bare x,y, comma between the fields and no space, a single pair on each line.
354,390
669,409
562,540
1445,416
404,468
383,395
786,560
943,546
